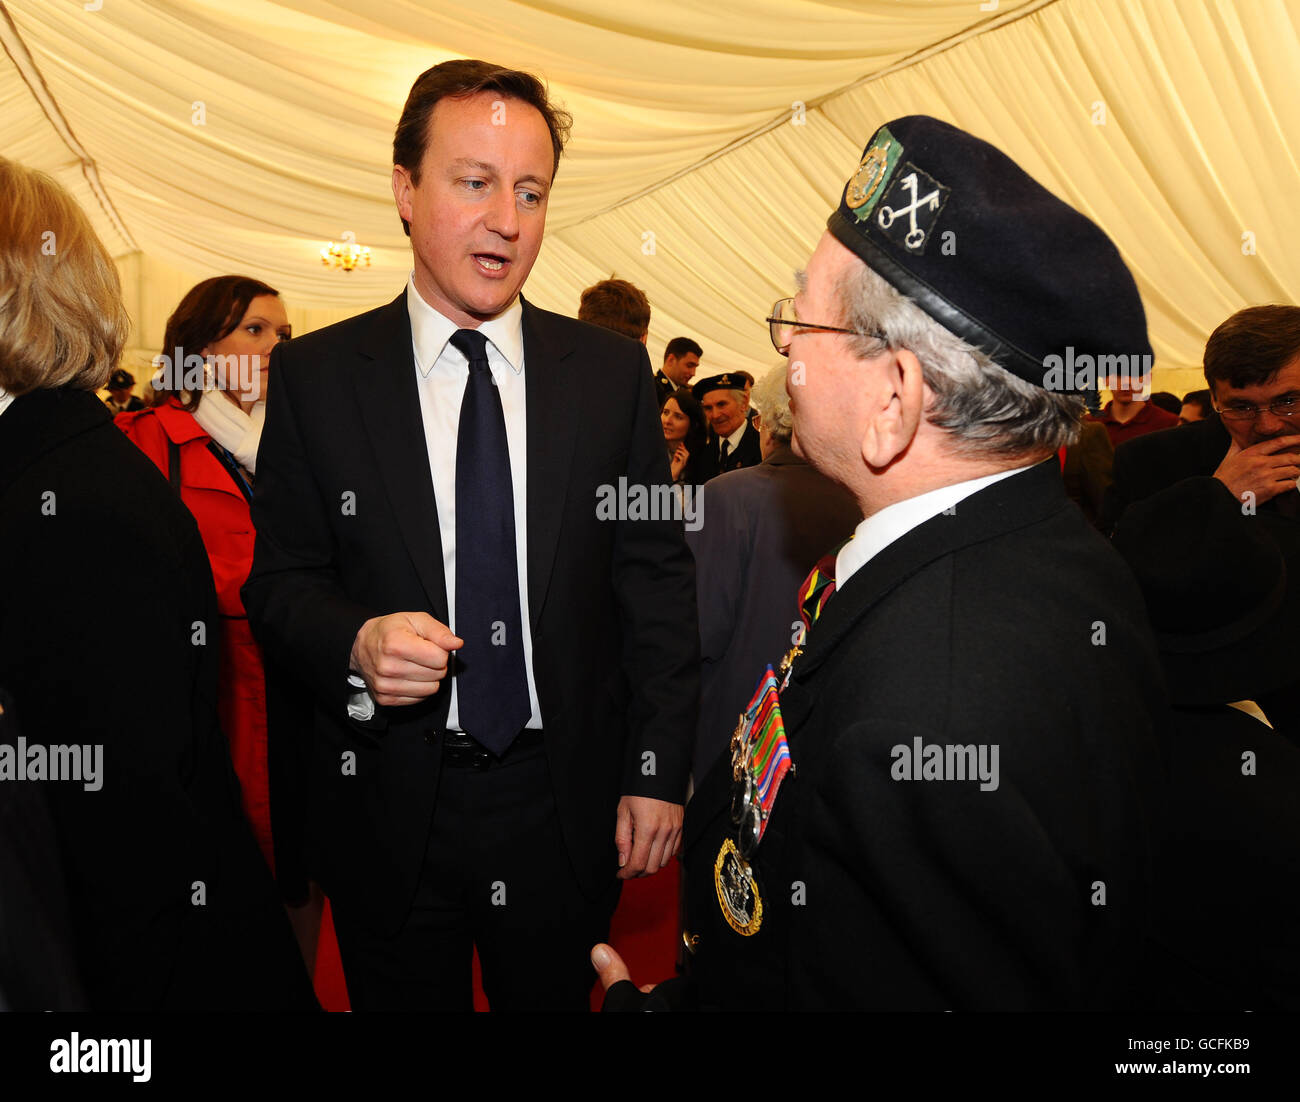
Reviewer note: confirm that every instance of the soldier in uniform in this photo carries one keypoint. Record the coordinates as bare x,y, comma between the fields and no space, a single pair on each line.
681,359
732,443
941,798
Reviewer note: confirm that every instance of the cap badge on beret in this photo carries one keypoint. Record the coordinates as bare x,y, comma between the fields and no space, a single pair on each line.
921,184
727,381
917,197
867,184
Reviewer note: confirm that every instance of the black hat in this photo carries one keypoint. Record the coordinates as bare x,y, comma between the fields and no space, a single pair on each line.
992,255
120,380
1193,540
731,380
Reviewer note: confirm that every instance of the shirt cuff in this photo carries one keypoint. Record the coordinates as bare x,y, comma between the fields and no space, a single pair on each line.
361,705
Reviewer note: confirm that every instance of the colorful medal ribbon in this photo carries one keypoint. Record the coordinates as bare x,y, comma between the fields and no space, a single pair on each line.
767,757
817,589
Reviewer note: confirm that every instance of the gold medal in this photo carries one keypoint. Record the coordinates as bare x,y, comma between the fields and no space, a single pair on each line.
738,895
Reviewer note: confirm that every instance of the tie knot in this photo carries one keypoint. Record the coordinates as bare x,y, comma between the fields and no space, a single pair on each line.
471,344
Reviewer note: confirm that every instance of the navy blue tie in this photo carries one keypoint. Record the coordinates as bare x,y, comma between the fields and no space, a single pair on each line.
491,681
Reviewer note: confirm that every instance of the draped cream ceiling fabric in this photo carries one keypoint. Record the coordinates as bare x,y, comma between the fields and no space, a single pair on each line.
710,140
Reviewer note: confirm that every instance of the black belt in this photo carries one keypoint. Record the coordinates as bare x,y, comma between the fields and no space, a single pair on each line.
462,751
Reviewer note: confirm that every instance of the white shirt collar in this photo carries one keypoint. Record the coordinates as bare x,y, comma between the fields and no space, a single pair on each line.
893,522
431,330
5,399
734,438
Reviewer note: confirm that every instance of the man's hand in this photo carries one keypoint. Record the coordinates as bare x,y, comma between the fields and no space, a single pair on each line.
1265,469
403,656
648,834
611,969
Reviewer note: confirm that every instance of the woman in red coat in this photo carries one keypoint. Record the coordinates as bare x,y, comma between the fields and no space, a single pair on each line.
202,433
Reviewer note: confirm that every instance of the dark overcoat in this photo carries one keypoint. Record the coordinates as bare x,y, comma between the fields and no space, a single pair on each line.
171,905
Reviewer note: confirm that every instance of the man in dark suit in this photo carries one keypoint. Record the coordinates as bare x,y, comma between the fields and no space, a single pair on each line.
120,399
681,358
945,805
763,530
1231,818
1249,450
732,442
427,506
1252,366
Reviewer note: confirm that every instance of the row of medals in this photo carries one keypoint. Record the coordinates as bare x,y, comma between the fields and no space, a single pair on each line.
733,876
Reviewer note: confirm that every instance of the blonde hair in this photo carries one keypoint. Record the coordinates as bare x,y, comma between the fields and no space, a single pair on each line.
62,322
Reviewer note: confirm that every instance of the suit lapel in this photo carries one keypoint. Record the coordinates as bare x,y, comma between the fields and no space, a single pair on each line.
1012,503
389,400
552,430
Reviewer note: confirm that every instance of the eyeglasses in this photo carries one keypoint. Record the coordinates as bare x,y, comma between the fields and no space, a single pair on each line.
782,325
1283,407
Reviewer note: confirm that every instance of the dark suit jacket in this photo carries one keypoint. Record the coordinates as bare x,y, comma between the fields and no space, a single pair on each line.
763,529
1227,878
973,628
1148,464
748,453
1087,471
665,388
1153,463
612,603
168,813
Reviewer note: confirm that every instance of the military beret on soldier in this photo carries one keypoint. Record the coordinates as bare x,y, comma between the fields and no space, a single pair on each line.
731,380
989,253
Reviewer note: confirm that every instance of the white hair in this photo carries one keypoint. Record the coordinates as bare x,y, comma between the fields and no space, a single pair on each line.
987,411
774,405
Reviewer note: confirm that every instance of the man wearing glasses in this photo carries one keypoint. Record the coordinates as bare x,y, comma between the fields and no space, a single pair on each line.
939,798
1252,366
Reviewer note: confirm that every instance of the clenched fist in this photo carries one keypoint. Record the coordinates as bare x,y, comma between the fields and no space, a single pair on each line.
403,657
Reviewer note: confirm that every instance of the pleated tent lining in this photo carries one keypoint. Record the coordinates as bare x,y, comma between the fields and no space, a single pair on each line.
688,172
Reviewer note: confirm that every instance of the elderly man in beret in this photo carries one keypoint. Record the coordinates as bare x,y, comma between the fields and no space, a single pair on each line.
120,398
733,442
941,798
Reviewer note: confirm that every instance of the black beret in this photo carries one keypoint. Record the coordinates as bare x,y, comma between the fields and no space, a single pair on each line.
119,380
731,380
992,255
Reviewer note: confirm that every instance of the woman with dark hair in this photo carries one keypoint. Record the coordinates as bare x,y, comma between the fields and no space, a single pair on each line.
169,904
202,433
684,434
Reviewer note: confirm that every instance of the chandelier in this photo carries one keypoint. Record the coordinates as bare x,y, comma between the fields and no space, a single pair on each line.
347,256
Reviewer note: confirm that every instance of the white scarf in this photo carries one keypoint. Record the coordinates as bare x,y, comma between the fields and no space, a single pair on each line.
236,431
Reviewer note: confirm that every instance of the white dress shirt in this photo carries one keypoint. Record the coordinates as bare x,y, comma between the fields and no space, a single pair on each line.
5,400
893,522
733,441
441,375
